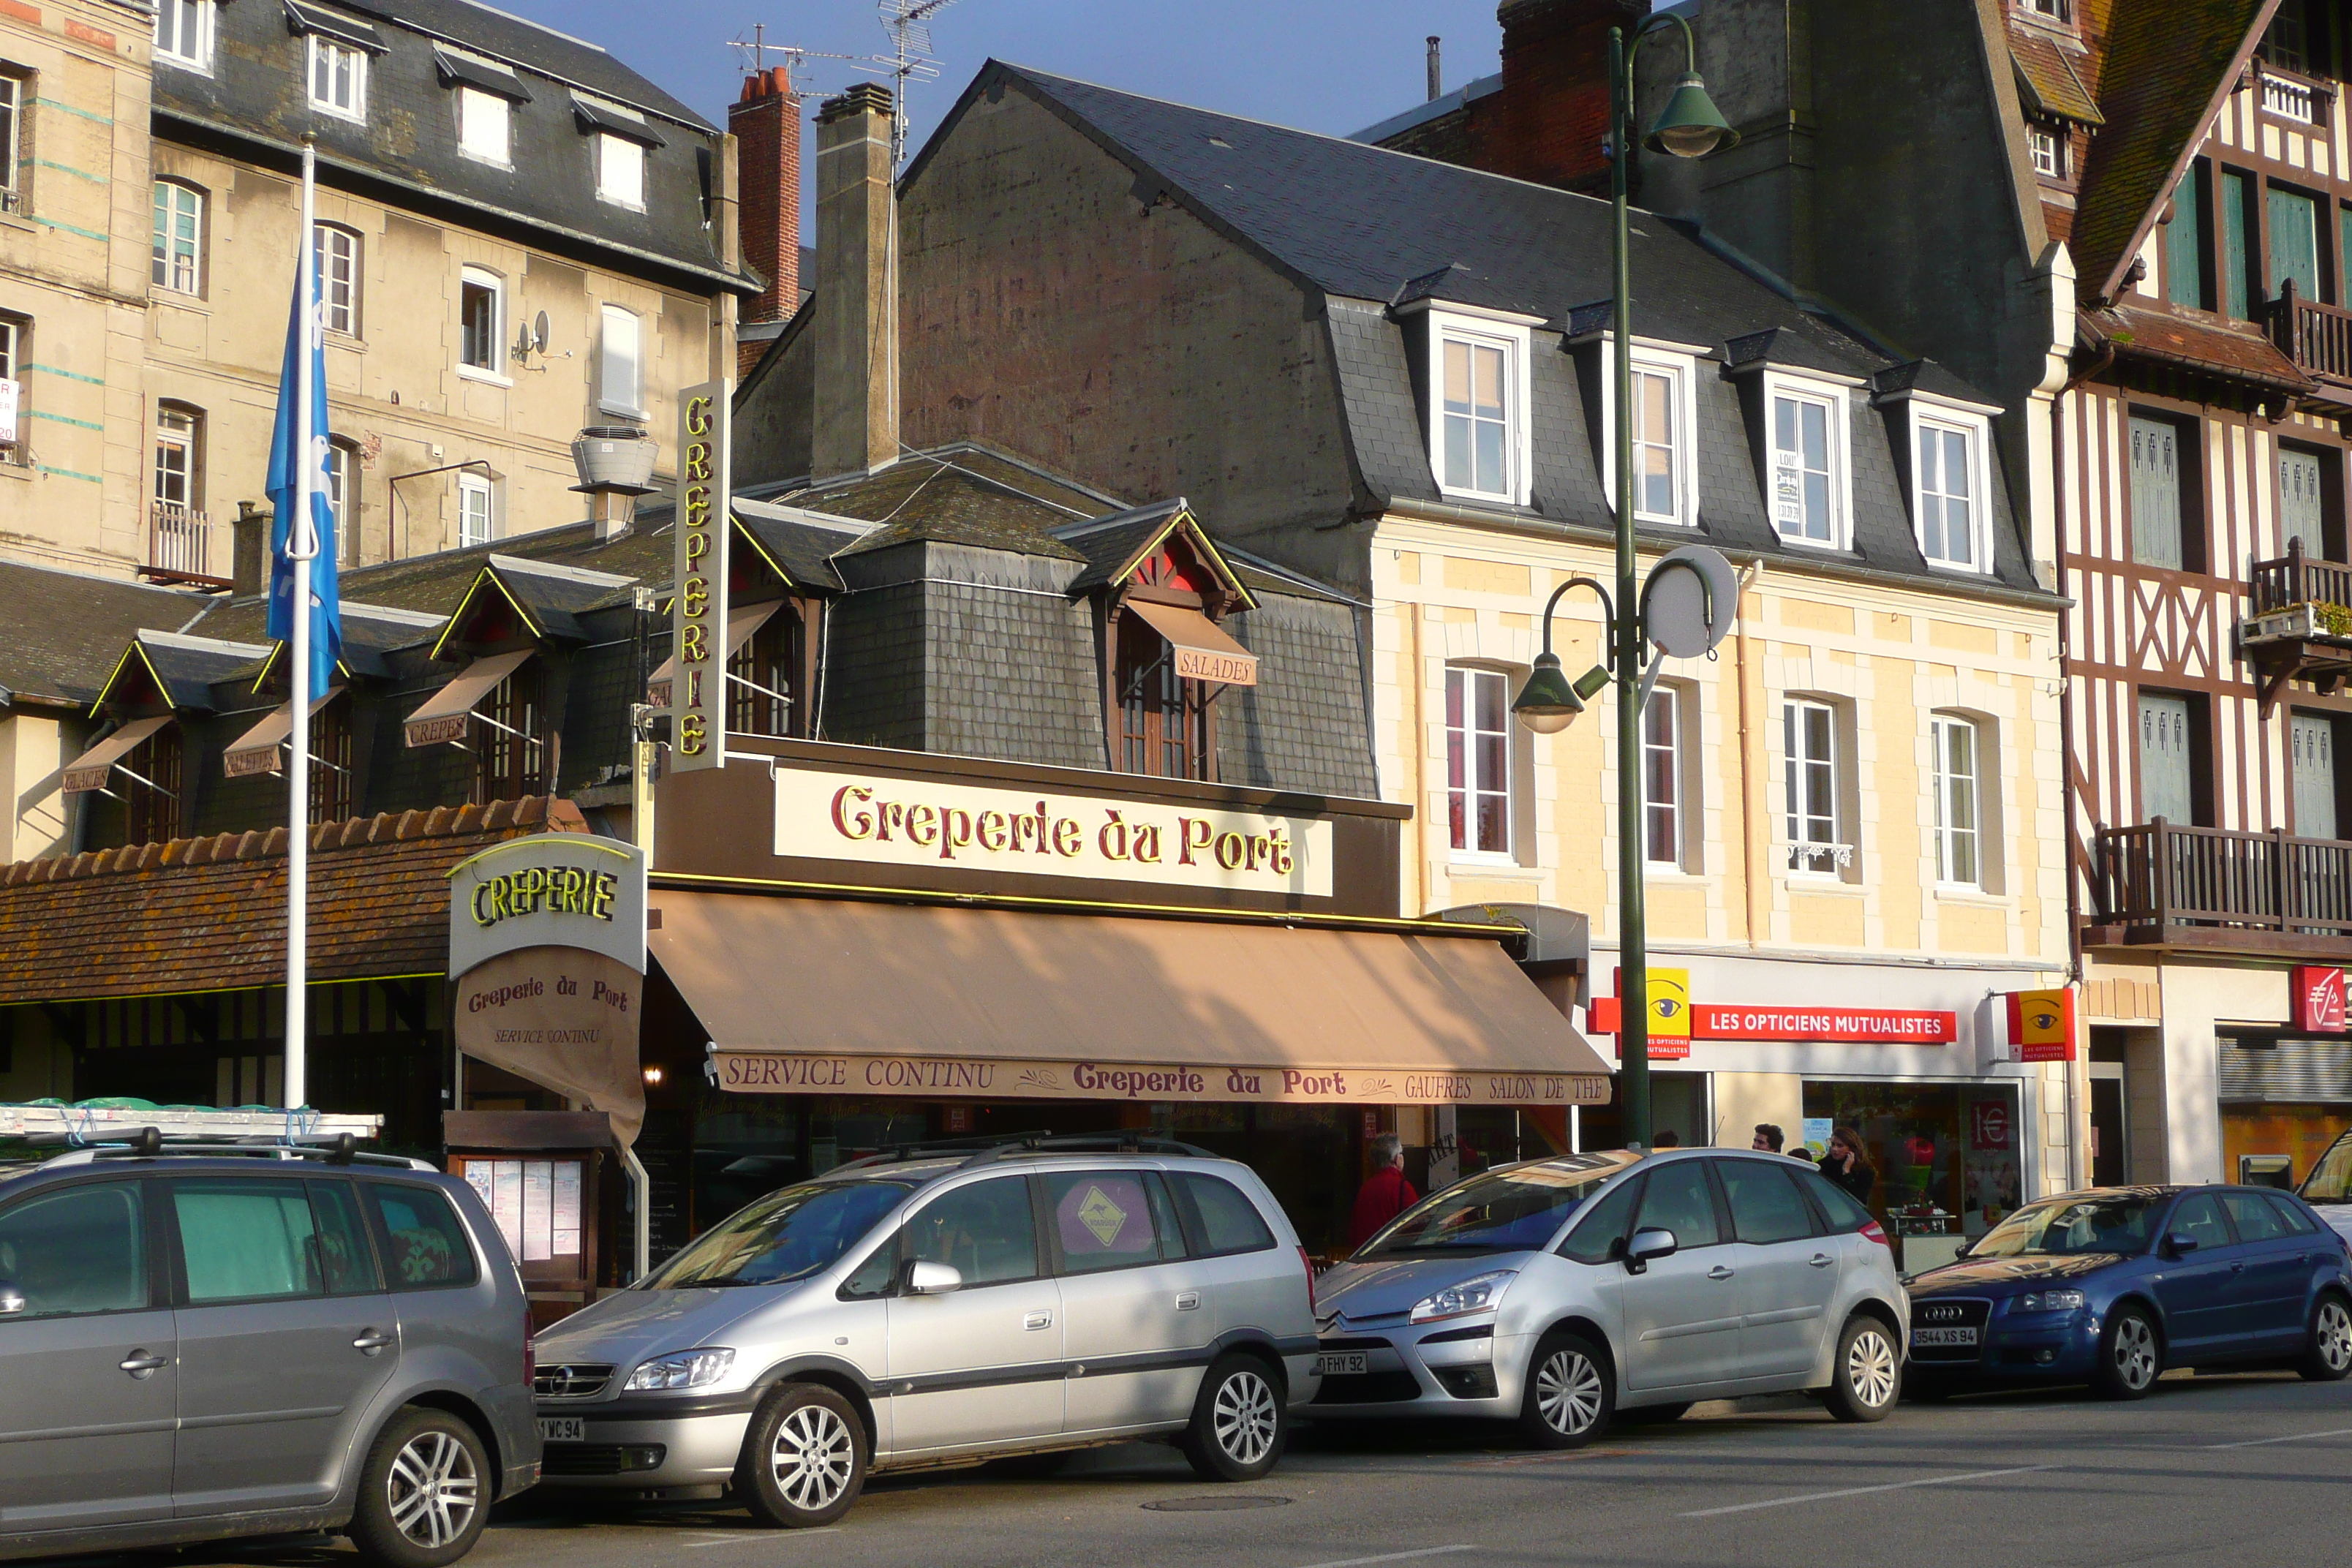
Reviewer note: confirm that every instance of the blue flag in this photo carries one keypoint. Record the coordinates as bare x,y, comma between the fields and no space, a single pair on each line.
304,431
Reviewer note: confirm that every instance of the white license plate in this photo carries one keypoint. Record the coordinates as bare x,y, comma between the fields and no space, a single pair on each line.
1345,1364
563,1430
1943,1336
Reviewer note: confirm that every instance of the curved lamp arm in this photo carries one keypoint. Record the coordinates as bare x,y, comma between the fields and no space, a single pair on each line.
1608,609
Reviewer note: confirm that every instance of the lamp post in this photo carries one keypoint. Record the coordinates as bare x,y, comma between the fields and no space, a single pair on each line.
1688,127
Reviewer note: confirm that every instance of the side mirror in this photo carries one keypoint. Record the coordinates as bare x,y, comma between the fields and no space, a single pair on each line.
1647,1247
2180,1244
1964,1248
11,1300
932,1279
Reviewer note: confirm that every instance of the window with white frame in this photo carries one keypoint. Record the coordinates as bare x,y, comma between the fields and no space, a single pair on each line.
477,510
14,91
343,499
337,78
1810,772
1948,485
1663,778
11,387
183,33
620,379
1954,774
2048,145
620,170
1479,760
179,238
481,319
178,480
484,129
1808,447
1475,380
335,253
1664,417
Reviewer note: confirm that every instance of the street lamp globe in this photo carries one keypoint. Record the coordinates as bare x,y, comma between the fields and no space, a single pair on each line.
1548,703
1690,126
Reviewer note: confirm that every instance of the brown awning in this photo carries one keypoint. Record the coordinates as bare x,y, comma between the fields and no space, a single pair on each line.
818,997
741,625
446,713
1203,651
256,750
88,771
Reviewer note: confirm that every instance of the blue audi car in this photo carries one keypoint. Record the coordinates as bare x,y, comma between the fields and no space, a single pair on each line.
2112,1286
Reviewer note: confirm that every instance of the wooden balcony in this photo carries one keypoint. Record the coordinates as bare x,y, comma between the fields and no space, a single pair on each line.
2204,890
2301,627
180,546
2318,338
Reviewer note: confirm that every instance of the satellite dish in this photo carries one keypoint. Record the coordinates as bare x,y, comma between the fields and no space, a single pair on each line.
1684,621
539,332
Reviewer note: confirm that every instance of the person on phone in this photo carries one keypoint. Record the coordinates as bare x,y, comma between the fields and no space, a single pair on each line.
1844,1165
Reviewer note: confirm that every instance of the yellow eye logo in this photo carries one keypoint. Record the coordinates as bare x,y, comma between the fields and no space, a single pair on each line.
2045,1020
1667,1007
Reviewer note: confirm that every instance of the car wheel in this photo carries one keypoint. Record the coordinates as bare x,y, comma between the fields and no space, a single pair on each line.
1238,1423
803,1461
1571,1392
1867,1376
2328,1355
1653,1415
2131,1357
424,1493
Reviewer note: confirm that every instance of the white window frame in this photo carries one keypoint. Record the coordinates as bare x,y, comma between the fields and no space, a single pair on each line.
1676,751
603,145
1512,335
14,95
1947,787
608,397
195,16
2047,146
483,278
1680,366
1947,417
1475,785
473,103
194,286
1806,854
340,456
1780,386
12,344
320,47
339,293
478,498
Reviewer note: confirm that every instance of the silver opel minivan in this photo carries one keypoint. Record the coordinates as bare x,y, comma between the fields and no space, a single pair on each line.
1561,1292
929,1307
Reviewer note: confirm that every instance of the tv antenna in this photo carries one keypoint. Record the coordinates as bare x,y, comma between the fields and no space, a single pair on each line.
908,23
756,48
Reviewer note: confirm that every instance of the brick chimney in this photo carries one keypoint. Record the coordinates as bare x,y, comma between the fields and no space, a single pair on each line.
1555,97
766,122
856,326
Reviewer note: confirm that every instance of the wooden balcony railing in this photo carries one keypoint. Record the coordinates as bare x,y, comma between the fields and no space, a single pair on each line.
2203,887
179,544
2295,578
2317,337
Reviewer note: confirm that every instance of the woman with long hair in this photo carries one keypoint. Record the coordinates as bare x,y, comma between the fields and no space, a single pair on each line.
1844,1163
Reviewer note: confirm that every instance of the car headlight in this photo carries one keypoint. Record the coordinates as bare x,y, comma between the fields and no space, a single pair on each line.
682,1369
1479,1293
2051,1302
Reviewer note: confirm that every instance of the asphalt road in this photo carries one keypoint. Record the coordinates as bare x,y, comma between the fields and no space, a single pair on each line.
2245,1469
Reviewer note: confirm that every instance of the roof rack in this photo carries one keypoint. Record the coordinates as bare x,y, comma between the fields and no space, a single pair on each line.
986,1150
149,1144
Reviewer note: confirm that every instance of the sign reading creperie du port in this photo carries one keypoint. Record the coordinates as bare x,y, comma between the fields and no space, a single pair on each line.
758,1072
828,814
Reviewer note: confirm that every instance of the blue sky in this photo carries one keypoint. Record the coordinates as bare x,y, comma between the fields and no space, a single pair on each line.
1334,66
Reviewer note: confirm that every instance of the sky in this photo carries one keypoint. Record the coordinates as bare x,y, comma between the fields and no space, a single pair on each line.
1333,66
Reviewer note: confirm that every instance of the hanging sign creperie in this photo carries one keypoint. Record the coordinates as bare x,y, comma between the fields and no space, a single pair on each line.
828,814
698,606
763,1072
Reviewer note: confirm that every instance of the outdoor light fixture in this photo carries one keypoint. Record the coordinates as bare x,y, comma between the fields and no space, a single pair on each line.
652,1077
1689,126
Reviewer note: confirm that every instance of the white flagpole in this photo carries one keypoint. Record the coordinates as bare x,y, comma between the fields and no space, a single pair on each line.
301,544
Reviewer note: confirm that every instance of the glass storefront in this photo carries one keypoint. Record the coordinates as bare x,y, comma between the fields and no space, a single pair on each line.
1945,1156
2283,1098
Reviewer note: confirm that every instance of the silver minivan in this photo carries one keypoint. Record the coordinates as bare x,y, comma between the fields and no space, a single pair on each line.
1563,1292
928,1308
197,1344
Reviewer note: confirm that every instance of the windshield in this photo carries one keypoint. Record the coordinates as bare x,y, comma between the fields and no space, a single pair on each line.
2120,1223
1510,1210
2330,1181
788,1235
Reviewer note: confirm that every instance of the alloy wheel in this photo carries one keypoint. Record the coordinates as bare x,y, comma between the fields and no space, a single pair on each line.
813,1458
2135,1353
2333,1334
1568,1392
1244,1417
1870,1368
432,1489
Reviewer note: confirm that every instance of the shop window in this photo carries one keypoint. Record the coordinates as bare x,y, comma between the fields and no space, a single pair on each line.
1945,1159
184,34
1811,786
2188,282
1954,778
759,678
510,752
1479,760
481,318
335,254
178,245
149,782
1164,718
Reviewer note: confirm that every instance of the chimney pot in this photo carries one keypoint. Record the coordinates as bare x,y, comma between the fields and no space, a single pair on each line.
855,425
765,120
1436,79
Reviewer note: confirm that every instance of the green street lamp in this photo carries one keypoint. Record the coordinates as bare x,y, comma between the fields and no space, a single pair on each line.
1689,127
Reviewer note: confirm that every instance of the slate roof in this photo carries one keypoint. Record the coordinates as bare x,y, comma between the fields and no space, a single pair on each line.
797,541
185,668
256,94
61,632
962,494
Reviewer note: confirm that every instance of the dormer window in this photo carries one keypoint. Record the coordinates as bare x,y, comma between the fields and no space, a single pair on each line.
1808,470
337,78
1478,399
184,34
2048,145
1664,418
2059,11
482,126
1949,486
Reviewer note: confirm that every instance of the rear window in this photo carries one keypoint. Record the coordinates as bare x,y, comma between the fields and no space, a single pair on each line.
1765,1206
424,1246
270,1238
1845,1210
1223,1218
2293,1216
1103,1219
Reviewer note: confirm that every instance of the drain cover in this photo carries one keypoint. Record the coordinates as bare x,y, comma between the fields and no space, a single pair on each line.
1214,1504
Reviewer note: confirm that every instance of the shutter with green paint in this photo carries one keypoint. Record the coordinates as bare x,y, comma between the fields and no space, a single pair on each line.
2294,243
2184,245
2164,760
2155,493
2299,514
2313,744
2233,244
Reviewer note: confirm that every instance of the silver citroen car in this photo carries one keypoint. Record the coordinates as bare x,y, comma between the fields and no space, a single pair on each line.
927,1308
1562,1293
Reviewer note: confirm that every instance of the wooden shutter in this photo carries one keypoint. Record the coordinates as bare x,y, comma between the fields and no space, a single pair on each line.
2299,510
2313,742
2155,493
2164,775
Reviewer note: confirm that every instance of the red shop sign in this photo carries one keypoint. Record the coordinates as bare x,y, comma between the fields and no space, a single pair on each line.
1850,1026
1988,1127
2317,999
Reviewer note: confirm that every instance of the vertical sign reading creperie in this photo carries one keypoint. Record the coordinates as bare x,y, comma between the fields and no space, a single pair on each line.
698,608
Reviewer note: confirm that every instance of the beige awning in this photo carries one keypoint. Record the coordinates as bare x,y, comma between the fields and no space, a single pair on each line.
446,713
88,771
1203,651
741,625
835,997
256,750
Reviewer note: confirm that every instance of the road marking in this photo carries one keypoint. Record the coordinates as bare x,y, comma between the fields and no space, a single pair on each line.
1391,1557
751,1537
2295,1438
1860,1491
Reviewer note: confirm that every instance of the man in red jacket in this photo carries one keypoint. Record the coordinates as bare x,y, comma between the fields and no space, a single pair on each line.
1385,1192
